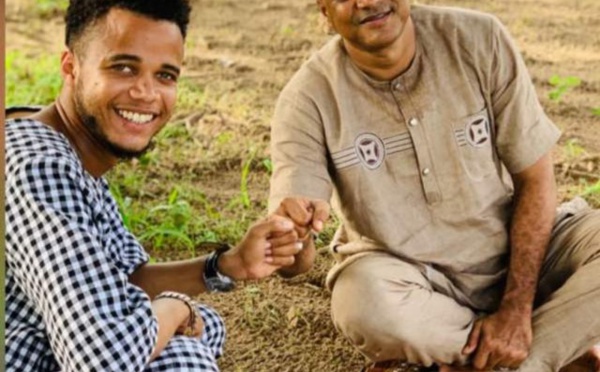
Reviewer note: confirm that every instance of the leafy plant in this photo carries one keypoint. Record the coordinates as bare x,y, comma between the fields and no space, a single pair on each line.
596,111
562,85
174,218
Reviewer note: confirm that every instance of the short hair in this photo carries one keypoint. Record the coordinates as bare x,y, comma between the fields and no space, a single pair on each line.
83,13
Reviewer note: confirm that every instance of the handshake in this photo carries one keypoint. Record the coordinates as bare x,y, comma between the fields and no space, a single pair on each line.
281,242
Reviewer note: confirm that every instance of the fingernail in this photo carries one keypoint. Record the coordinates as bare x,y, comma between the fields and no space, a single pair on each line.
269,259
318,225
299,246
268,245
269,252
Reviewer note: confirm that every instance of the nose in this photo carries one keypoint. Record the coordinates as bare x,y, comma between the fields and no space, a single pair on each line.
144,89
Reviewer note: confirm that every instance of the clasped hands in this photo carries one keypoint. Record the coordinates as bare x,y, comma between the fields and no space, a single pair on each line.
280,242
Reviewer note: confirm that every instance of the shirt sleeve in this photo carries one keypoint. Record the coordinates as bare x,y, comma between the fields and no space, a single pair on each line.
524,132
298,151
94,318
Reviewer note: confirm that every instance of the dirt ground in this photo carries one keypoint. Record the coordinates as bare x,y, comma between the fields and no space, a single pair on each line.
243,52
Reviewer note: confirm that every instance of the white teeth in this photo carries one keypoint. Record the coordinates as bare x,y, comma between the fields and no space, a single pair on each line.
136,117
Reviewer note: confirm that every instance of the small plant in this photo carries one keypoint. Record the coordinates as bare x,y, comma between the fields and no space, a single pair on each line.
562,85
268,164
596,111
125,209
244,195
174,218
573,149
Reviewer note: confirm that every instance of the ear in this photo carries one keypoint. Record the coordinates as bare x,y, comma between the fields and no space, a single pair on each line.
322,7
68,67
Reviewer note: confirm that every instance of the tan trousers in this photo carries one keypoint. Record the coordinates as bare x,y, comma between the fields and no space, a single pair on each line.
389,309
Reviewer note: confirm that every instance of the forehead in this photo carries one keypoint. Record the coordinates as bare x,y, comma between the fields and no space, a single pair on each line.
125,32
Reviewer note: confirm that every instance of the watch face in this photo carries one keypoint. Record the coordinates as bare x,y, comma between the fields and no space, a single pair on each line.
219,284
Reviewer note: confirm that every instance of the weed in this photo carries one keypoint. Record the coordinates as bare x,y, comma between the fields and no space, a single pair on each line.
125,209
260,311
268,164
174,218
190,95
596,111
244,196
593,190
573,149
561,86
31,80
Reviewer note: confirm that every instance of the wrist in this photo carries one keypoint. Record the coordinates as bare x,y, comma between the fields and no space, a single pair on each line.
230,264
516,306
185,308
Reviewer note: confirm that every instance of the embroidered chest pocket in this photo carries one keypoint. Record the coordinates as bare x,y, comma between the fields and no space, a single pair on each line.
474,138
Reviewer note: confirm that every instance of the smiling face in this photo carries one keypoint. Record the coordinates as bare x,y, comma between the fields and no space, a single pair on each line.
368,25
123,80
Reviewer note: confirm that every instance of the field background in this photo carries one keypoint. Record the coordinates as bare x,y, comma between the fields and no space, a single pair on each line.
207,177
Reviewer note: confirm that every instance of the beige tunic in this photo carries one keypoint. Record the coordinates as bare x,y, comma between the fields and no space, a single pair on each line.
418,166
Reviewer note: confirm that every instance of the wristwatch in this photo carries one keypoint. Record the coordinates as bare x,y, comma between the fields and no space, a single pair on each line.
213,279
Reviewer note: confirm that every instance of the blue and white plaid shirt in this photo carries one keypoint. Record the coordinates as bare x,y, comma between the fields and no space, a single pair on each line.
69,305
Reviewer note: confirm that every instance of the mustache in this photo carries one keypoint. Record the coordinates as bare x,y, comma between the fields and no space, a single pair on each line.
364,15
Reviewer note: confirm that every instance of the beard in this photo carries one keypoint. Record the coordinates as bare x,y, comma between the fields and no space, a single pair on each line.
90,122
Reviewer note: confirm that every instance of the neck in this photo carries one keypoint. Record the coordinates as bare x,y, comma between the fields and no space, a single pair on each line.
96,159
390,62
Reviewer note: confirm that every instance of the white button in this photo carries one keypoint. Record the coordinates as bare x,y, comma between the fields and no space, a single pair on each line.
397,86
426,171
413,122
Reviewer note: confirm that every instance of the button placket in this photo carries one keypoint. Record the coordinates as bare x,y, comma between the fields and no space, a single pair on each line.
429,182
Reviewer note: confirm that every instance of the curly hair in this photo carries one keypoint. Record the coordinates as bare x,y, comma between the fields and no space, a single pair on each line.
82,13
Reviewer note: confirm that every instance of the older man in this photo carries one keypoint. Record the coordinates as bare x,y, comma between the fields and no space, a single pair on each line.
424,122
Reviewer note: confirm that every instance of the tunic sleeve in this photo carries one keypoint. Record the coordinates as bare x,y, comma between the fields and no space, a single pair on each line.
524,132
298,150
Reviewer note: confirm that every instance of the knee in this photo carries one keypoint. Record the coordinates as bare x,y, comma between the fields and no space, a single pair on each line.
214,329
379,322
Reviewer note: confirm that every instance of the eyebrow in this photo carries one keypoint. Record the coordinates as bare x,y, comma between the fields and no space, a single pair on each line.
133,58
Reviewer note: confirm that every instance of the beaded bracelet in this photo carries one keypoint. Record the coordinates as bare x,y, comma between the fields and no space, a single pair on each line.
190,304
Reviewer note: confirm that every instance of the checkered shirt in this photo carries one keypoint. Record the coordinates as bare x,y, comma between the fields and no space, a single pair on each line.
69,305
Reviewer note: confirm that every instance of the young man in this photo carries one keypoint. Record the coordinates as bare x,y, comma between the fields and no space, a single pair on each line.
80,295
426,125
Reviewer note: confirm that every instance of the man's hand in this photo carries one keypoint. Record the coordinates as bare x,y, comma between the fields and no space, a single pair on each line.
307,214
502,339
268,245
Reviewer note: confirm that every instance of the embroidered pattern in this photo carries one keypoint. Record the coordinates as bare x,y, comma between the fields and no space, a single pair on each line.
371,151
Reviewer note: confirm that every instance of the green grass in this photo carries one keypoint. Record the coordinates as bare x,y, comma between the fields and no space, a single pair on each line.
31,80
50,8
562,85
